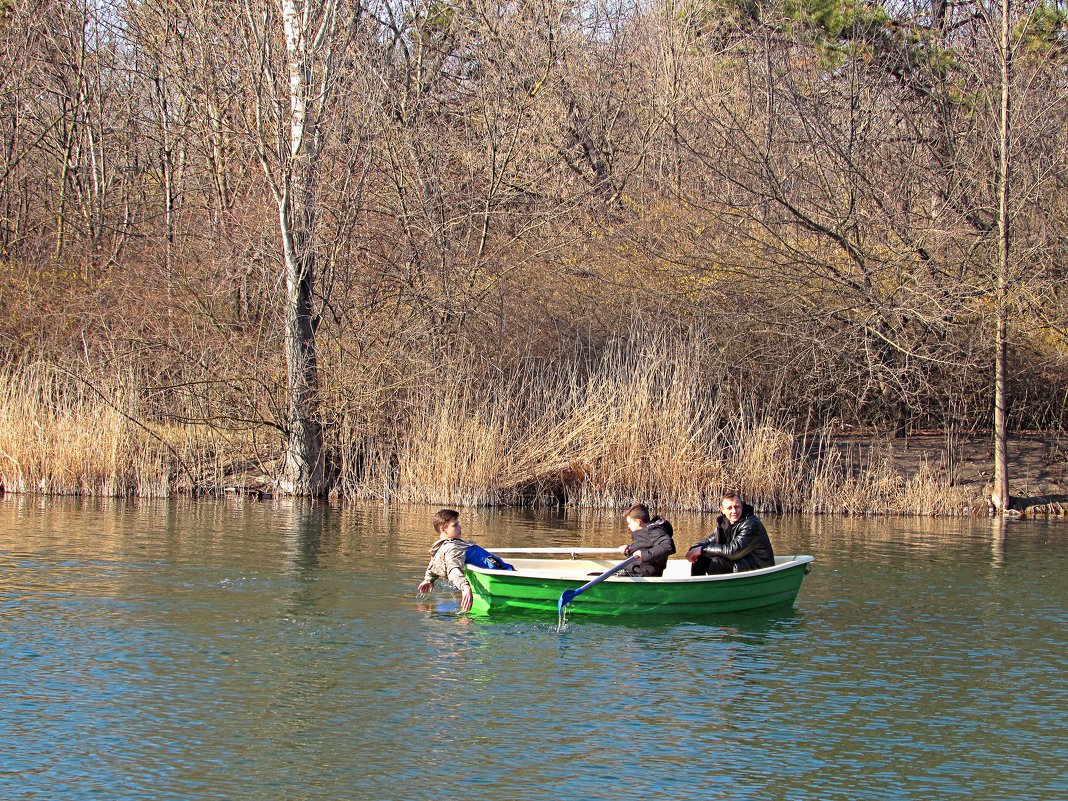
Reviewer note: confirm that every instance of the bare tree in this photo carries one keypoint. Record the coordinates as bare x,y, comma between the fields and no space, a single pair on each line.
1027,99
296,47
1000,494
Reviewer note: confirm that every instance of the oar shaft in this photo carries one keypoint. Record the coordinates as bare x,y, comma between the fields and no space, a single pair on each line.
567,596
582,551
606,574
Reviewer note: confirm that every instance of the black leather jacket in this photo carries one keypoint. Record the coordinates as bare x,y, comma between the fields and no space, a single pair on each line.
655,542
746,543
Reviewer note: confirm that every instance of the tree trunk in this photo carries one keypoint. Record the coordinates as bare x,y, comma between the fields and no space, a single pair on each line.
1000,495
308,28
303,473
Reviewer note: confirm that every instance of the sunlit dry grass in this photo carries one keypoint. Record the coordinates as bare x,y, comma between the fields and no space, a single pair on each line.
869,481
651,420
61,434
647,422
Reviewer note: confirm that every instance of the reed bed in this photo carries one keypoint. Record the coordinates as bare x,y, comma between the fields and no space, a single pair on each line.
856,481
653,418
64,434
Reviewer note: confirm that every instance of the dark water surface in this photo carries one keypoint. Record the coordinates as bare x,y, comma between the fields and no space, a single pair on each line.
215,650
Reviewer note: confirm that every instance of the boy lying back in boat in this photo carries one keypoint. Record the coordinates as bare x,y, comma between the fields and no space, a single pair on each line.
652,542
449,555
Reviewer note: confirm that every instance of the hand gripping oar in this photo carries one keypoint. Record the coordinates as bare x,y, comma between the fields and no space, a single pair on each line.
567,596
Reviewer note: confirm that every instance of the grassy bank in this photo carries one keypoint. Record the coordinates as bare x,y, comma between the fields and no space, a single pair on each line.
652,419
66,434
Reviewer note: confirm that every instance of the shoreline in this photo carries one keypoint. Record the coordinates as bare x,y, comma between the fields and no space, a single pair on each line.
1038,465
926,473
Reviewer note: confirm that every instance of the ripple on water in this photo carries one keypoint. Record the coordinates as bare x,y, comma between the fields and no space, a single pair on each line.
158,663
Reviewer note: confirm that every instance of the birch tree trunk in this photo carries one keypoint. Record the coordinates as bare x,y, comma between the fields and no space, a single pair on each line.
289,114
303,474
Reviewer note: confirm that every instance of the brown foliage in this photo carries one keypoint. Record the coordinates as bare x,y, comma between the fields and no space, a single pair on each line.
499,194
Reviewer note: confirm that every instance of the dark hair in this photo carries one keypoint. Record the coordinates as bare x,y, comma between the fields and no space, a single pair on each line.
639,512
443,517
732,495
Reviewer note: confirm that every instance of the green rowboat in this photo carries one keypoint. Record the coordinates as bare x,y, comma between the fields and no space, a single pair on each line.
536,584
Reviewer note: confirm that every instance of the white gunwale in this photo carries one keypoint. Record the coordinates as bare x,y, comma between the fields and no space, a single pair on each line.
678,570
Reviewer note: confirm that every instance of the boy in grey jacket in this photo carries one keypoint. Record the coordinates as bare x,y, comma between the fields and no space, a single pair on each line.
449,555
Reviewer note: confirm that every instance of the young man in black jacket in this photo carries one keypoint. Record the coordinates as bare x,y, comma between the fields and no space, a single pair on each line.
740,542
651,542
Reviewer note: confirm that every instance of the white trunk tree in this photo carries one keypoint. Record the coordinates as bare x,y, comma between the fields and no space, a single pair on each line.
290,111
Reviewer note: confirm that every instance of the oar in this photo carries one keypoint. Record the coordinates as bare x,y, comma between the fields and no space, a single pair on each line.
567,596
584,551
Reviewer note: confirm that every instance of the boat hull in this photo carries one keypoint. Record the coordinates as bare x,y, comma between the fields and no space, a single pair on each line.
536,584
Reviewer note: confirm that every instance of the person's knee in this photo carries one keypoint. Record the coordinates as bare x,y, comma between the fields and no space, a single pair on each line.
702,566
711,566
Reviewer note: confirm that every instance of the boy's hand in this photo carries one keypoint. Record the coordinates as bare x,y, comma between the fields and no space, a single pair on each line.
693,553
638,554
623,549
465,599
425,587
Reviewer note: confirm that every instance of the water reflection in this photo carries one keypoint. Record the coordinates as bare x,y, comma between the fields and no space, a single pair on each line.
999,527
303,536
239,650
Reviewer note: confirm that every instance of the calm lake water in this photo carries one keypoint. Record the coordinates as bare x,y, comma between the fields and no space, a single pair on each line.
263,651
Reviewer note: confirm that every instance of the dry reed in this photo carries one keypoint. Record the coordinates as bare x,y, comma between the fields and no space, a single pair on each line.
649,421
655,418
62,434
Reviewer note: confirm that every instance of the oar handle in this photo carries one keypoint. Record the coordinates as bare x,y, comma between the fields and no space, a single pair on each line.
567,596
584,551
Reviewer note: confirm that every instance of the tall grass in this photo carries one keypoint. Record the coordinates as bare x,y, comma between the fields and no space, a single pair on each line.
639,423
62,434
858,480
654,418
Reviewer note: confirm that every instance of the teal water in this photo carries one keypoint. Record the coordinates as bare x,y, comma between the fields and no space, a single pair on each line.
229,650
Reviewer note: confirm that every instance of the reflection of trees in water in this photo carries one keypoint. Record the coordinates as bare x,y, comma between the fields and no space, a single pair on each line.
905,538
360,537
998,525
305,534
908,539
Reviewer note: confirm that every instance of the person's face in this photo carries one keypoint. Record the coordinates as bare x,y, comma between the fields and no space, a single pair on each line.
633,524
451,530
732,509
